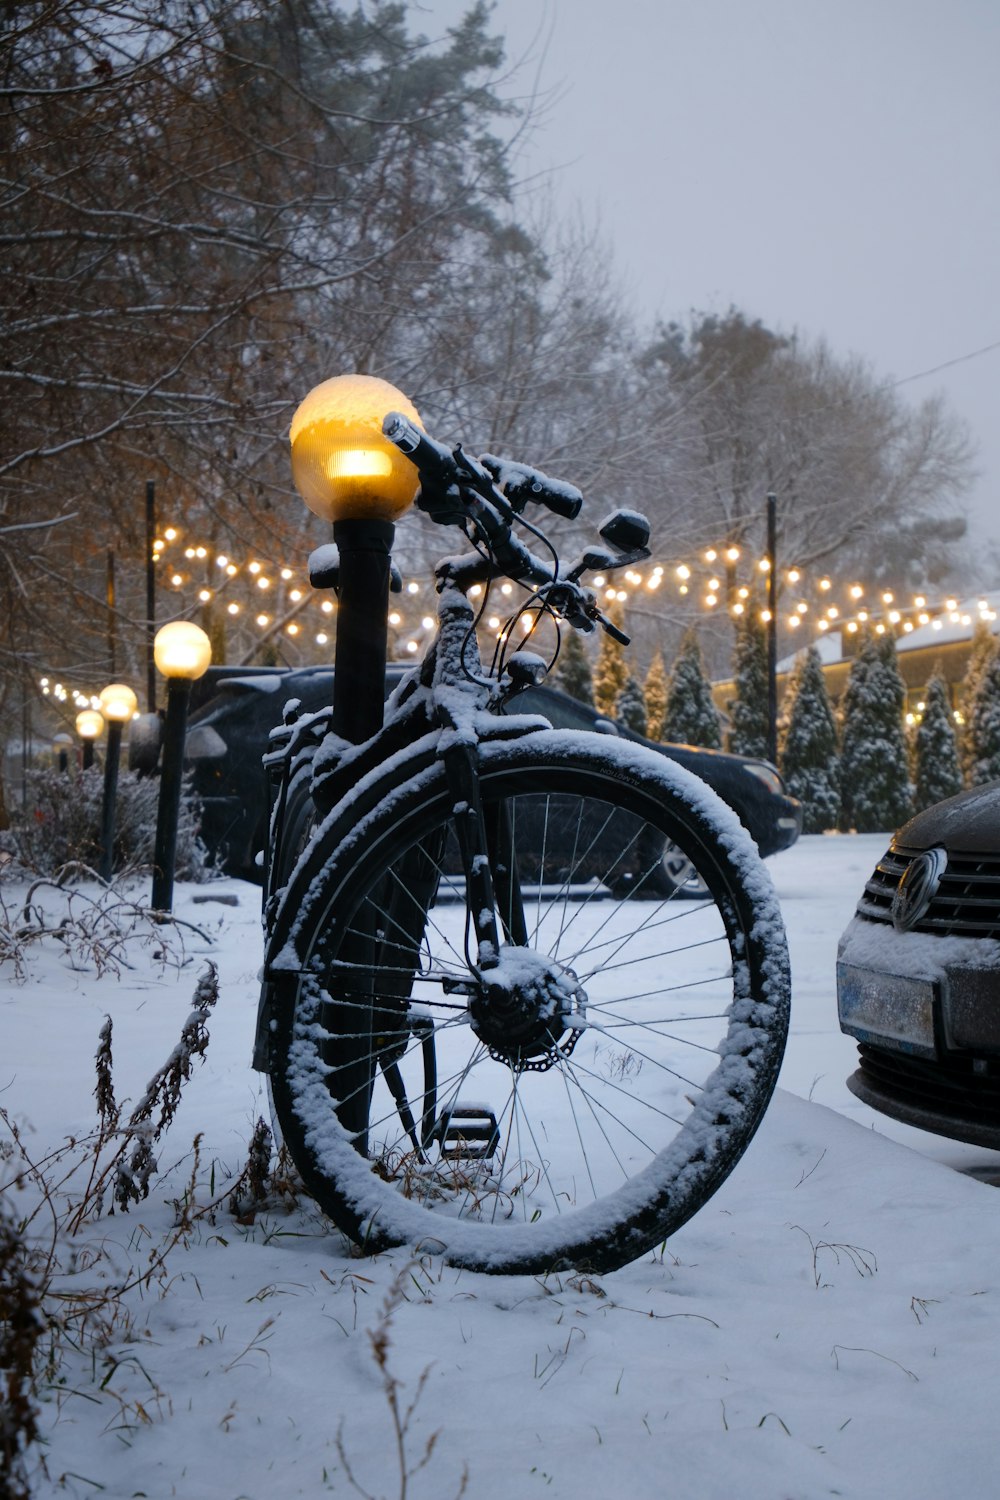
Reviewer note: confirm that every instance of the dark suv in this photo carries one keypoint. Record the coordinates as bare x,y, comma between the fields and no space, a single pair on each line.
236,710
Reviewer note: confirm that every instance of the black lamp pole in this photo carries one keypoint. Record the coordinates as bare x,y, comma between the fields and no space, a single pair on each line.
112,755
362,627
88,753
169,806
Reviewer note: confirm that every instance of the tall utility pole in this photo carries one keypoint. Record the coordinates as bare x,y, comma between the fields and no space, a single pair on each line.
772,631
110,597
150,596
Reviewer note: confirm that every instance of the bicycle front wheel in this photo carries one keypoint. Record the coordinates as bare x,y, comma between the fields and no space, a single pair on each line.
584,1123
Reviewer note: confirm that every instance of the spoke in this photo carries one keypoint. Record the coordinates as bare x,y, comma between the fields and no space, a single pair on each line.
579,1134
595,1104
509,1105
516,1115
655,1027
675,914
568,1077
664,1068
648,925
543,1166
577,1066
663,989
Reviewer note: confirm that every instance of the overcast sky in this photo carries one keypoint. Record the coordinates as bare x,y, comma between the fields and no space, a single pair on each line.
826,165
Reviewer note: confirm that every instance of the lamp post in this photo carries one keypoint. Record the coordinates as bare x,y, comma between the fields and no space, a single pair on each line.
347,472
118,704
182,652
62,743
90,727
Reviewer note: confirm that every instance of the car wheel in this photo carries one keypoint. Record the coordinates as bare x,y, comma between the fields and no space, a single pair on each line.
672,875
678,875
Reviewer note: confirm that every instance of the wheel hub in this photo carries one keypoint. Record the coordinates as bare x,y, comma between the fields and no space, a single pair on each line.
524,1006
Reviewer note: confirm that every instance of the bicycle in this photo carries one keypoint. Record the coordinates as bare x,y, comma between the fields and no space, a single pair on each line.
490,1031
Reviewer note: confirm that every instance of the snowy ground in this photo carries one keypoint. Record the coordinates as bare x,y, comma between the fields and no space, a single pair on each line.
829,1324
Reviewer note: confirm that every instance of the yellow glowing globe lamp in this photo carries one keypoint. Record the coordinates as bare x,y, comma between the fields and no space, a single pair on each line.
182,649
118,703
343,466
89,724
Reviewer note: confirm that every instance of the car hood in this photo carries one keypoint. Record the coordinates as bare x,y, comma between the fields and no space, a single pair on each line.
966,824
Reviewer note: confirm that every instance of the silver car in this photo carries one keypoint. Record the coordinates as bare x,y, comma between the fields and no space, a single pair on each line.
918,973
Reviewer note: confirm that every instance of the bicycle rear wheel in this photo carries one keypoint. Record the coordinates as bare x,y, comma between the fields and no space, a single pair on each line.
648,1034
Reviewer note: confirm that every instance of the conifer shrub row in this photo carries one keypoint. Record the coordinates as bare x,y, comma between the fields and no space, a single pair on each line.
857,767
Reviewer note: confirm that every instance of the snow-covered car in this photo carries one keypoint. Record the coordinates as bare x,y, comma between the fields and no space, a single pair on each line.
235,711
918,973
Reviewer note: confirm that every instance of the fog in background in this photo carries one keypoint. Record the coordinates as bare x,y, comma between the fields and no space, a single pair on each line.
827,166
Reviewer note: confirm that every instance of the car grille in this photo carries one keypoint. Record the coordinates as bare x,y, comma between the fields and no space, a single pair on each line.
960,1088
966,903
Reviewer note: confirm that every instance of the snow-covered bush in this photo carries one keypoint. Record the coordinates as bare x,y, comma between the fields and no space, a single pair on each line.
876,794
983,729
611,670
981,653
573,674
937,771
691,717
655,692
748,731
630,706
809,759
60,824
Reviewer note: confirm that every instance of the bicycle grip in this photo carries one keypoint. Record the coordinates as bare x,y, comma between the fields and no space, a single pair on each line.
521,483
432,459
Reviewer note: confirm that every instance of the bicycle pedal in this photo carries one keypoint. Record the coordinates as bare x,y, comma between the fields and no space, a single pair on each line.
468,1132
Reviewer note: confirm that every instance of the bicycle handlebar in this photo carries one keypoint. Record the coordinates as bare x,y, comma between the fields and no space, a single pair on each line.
493,492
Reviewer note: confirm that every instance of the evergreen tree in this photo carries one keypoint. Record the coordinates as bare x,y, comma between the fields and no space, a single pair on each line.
938,774
573,673
690,717
982,651
809,759
875,786
748,733
611,671
630,706
655,691
984,725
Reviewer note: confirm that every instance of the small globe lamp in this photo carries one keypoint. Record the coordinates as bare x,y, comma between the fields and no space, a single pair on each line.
118,704
349,473
183,653
90,727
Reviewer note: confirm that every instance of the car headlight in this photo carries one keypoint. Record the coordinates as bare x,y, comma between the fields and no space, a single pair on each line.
767,774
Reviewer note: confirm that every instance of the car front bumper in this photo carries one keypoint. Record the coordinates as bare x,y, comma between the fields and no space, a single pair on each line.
925,1011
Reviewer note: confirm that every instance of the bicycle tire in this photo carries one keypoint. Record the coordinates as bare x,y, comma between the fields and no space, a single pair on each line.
617,1122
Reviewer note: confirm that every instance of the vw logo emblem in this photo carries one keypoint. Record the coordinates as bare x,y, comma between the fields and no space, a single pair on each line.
917,888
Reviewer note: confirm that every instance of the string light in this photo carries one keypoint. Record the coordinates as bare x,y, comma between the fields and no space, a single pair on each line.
901,618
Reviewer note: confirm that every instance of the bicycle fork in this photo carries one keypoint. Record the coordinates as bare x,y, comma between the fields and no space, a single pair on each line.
488,861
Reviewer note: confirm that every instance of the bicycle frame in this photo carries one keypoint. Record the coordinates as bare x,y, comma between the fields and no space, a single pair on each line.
454,708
